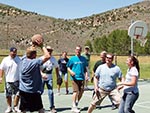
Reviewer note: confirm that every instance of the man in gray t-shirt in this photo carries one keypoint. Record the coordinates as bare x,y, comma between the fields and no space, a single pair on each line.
105,83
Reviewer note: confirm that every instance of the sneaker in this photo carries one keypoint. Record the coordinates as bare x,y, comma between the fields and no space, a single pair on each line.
15,109
67,92
58,93
8,110
53,110
75,110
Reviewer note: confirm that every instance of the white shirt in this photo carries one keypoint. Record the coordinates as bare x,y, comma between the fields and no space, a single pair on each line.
131,72
10,67
49,65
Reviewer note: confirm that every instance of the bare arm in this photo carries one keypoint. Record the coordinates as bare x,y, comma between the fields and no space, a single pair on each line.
71,72
46,55
132,82
57,72
1,75
96,83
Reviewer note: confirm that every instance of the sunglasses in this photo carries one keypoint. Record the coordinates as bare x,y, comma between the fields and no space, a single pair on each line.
49,50
109,57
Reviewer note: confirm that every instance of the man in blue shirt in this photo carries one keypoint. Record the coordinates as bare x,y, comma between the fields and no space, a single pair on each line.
105,83
77,66
30,79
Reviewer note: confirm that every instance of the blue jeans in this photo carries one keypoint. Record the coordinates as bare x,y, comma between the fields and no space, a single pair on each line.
127,102
49,84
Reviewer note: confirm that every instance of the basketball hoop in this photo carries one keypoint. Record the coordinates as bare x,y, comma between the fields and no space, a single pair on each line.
138,30
137,37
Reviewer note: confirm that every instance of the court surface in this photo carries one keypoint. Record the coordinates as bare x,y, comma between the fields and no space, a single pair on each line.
63,102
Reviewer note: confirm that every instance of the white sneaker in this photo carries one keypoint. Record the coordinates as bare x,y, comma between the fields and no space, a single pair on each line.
58,93
15,109
8,110
75,109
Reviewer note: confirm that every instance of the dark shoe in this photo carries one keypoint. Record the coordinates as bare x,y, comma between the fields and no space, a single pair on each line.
67,92
53,110
114,107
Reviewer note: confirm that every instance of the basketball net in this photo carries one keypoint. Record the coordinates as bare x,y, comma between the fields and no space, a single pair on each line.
141,39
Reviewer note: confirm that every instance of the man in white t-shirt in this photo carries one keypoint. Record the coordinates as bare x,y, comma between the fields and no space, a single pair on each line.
47,77
9,67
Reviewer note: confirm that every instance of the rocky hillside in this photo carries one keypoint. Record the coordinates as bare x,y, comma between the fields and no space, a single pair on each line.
17,26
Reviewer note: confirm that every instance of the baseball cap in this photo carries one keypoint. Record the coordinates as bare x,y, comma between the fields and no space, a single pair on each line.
49,48
86,47
13,49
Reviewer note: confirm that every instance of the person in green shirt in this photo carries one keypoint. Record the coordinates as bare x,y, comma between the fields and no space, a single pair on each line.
87,56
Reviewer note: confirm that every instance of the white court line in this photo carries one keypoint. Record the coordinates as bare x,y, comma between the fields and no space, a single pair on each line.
139,104
142,104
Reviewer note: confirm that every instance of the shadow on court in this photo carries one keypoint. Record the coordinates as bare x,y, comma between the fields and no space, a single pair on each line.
63,102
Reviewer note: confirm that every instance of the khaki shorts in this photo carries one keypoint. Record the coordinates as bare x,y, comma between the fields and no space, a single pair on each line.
78,85
101,94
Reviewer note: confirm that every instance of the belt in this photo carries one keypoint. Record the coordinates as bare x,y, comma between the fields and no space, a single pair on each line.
105,90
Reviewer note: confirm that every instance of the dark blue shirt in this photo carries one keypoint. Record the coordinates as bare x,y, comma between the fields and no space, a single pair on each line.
62,64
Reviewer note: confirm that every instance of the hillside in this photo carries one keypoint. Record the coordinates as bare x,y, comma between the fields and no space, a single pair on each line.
17,26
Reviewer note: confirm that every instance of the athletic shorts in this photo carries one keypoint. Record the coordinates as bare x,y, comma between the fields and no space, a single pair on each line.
12,88
78,85
30,101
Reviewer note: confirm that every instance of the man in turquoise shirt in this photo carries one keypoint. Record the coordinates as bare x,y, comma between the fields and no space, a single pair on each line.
77,66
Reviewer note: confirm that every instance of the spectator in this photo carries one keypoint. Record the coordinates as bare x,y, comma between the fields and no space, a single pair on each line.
9,66
63,69
99,62
87,55
47,77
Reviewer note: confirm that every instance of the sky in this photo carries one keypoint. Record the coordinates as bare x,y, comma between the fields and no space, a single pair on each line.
68,9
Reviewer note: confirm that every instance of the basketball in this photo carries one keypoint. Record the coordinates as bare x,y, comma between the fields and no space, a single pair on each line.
37,40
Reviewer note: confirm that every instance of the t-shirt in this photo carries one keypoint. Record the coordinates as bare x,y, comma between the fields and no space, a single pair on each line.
87,57
108,76
48,66
62,64
78,65
10,67
131,72
99,62
30,76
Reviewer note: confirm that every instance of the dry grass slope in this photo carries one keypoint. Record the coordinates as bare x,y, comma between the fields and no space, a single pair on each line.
17,26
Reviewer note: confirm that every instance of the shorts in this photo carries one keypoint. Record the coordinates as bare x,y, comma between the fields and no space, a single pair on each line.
30,101
65,75
99,96
78,85
12,88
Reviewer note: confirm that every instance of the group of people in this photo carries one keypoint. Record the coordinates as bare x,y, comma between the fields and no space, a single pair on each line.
26,77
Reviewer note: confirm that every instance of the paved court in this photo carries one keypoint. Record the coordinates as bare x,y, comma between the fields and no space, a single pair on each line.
63,102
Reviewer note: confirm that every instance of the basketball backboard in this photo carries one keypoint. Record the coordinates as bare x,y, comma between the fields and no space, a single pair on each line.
138,29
